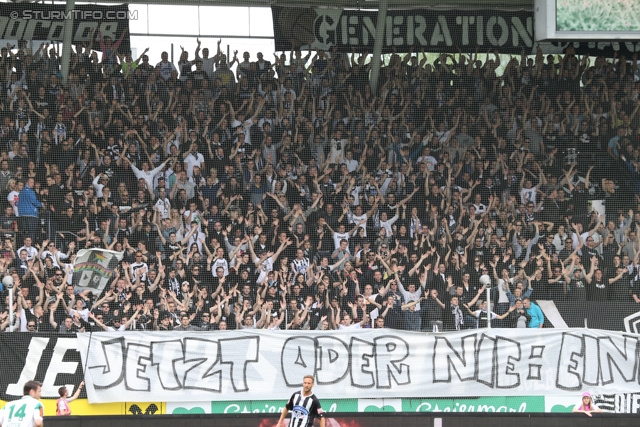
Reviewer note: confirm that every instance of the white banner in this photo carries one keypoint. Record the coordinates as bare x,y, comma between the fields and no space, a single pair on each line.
94,268
171,367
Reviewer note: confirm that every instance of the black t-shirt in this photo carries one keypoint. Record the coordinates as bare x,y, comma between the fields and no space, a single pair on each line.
7,222
598,290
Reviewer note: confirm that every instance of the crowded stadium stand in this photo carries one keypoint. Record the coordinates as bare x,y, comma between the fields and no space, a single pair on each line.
286,191
426,207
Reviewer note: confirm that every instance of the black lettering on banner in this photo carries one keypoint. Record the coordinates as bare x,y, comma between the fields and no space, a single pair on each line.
111,373
363,355
535,369
591,355
459,357
203,372
390,353
248,350
378,364
570,363
138,367
486,361
486,374
621,359
465,358
303,351
169,353
194,364
615,356
507,352
333,359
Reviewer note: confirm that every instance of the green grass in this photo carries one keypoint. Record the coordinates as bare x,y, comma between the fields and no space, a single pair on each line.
598,15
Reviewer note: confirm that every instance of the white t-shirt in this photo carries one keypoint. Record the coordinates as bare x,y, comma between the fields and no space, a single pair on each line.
357,219
21,413
197,217
165,69
352,164
430,160
84,314
191,160
246,126
337,149
54,258
147,175
164,206
12,198
195,238
528,195
356,195
354,326
31,252
339,236
220,262
264,268
387,224
208,66
134,271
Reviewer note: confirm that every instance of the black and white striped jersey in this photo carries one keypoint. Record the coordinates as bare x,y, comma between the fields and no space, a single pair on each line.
304,409
300,266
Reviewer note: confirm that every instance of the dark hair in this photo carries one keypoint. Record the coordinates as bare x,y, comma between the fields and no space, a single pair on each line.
62,390
31,385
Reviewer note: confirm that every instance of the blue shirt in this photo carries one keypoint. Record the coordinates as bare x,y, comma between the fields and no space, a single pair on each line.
537,318
28,204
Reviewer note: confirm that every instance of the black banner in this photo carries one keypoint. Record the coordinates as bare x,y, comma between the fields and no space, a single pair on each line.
51,359
45,22
434,31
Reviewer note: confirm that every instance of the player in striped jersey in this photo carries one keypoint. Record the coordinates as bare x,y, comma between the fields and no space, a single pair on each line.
304,406
26,412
